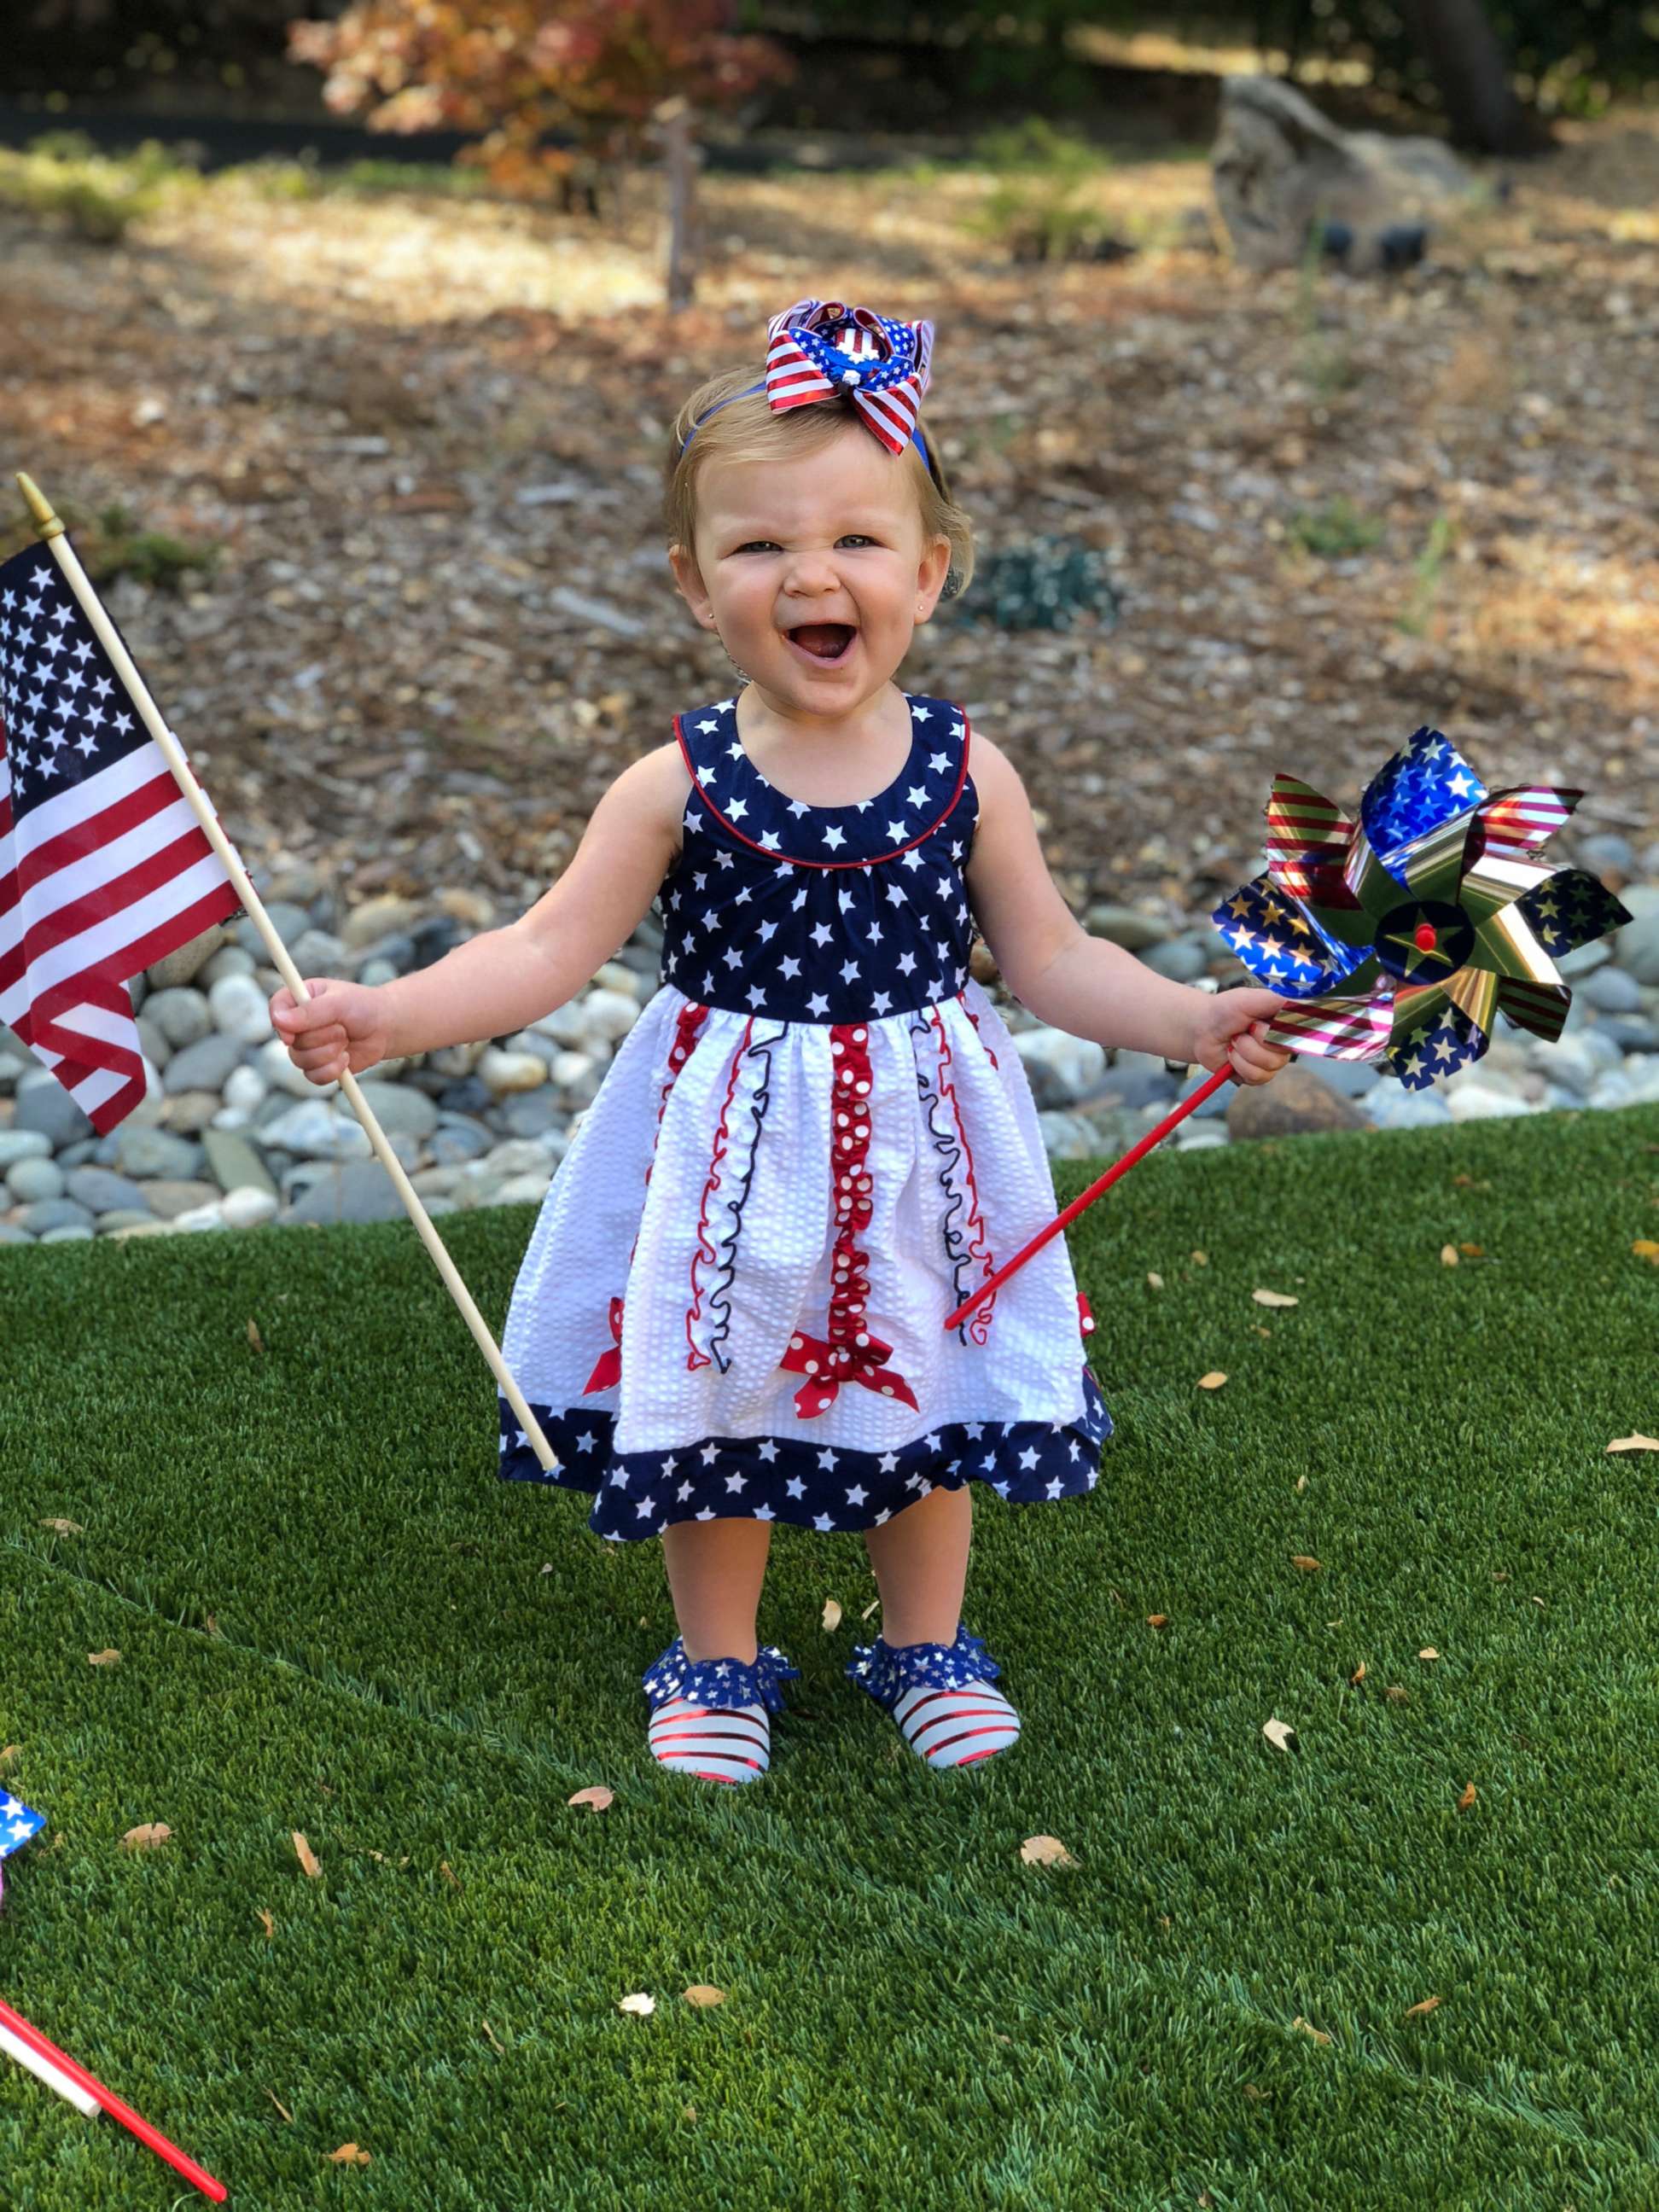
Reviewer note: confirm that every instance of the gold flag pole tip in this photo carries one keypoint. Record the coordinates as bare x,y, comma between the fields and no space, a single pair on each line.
47,524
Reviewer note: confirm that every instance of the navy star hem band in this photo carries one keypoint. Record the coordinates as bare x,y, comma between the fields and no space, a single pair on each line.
810,1485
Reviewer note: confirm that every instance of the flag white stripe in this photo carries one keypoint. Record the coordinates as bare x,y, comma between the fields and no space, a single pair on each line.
92,946
88,875
64,810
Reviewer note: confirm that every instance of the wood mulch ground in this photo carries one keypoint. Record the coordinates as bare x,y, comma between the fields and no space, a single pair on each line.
426,435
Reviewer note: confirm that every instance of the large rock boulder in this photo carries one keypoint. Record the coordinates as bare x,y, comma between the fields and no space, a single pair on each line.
1279,169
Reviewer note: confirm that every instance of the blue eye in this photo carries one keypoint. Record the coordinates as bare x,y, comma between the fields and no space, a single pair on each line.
757,545
855,535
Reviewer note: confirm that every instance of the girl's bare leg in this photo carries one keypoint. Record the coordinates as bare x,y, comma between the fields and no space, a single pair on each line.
920,1563
715,1569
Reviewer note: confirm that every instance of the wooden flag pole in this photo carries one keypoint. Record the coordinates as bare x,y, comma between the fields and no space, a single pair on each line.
49,526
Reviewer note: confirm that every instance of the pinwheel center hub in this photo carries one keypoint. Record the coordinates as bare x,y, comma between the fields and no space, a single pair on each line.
1423,940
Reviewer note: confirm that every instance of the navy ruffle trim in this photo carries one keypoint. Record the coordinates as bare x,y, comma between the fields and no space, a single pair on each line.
796,1479
718,1681
888,1670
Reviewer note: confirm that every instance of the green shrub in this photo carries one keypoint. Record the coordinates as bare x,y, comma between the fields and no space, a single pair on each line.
61,176
1336,531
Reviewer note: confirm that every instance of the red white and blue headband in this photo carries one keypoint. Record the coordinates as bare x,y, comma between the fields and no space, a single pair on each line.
822,349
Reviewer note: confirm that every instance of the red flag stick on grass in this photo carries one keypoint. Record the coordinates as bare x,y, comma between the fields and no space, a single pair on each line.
61,2062
1087,1198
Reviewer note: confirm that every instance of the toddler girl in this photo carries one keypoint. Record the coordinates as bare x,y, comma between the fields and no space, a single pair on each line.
817,1136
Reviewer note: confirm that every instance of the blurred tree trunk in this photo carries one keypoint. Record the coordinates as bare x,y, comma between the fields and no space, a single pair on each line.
1456,39
673,120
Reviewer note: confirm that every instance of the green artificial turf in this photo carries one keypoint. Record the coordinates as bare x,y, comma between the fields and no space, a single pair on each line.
332,1617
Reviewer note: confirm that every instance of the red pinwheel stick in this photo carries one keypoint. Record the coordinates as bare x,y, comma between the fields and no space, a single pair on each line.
1087,1198
112,2104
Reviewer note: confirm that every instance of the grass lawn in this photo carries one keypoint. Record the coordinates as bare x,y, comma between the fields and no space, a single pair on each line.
331,1617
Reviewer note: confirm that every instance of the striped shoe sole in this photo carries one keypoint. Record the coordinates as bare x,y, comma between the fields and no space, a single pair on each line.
954,1728
718,1743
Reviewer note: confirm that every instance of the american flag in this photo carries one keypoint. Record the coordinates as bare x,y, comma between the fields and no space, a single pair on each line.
103,869
18,1822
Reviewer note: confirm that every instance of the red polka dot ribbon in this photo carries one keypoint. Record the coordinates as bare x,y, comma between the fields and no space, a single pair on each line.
850,1352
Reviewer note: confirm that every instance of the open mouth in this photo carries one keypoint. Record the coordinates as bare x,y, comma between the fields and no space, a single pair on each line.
824,642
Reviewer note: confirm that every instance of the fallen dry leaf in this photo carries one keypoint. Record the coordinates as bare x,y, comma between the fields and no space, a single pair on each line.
306,1857
1317,2034
1045,1850
1397,1696
1413,2012
596,1796
449,1873
1281,1735
1300,1484
639,2003
703,1993
1201,1259
1472,1251
1644,1248
148,1837
1158,1620
64,1527
255,1337
870,1609
831,1613
8,1754
1256,1329
1154,1282
1308,1563
1637,1443
1466,1799
1428,1652
103,1658
1449,1255
490,2035
1273,1298
280,2107
348,2155
1212,1381
1358,1676
267,1923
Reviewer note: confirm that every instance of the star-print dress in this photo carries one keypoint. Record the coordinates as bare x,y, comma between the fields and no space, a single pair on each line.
813,1143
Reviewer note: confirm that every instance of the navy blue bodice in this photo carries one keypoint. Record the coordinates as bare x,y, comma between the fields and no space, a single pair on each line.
821,914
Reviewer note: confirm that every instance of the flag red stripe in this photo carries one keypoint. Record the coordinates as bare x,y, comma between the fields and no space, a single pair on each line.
106,902
81,838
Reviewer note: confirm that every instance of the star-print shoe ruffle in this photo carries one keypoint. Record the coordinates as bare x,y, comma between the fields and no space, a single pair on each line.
887,1670
718,1681
800,1481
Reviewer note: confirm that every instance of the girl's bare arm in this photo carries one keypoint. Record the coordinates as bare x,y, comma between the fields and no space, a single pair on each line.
508,978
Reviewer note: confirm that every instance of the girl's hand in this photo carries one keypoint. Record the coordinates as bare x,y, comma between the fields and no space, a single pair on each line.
1229,1031
341,1025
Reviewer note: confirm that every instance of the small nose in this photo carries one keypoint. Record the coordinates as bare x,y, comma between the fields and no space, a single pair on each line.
809,574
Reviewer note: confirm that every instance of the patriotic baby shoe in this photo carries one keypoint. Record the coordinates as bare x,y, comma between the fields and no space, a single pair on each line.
709,1716
940,1695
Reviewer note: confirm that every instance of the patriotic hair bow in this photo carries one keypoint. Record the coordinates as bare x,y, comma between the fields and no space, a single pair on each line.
820,349
1410,930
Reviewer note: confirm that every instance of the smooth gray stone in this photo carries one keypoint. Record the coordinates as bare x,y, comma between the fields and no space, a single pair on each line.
11,1235
532,1113
155,1152
22,1144
400,1110
1584,959
203,1065
1394,1107
1637,947
288,921
1611,990
78,1154
1632,1033
103,1192
459,1138
30,1181
123,1217
47,1107
182,1015
1182,959
358,1190
153,1044
235,1163
179,967
53,1213
1604,849
1126,925
71,1233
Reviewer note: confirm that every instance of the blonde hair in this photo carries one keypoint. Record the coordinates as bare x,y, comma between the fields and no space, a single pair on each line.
733,423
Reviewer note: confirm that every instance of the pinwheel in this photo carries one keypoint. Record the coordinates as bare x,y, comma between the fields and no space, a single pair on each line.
1406,932
1399,937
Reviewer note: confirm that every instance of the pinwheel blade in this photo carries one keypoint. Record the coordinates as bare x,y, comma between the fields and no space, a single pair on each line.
1517,821
1540,1007
1425,782
1307,838
1342,1027
1569,909
1282,944
1432,1037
